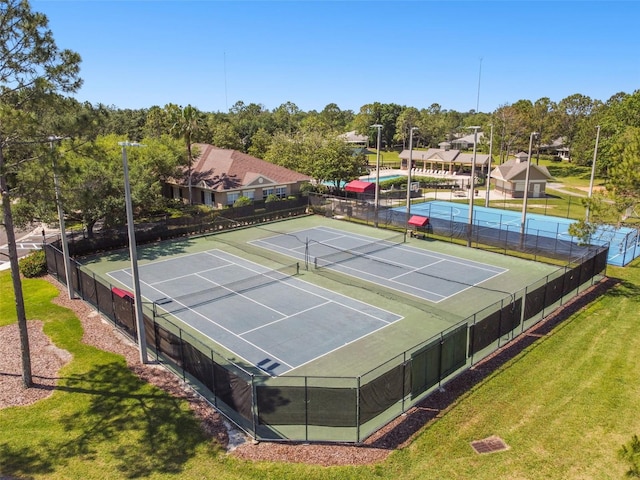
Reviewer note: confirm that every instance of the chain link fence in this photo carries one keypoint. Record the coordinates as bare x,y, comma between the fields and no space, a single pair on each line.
330,408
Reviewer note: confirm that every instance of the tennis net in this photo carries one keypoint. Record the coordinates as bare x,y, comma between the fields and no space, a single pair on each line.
217,292
343,255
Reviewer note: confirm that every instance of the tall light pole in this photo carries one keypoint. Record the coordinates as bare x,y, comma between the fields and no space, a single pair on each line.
409,165
377,197
63,233
486,200
593,171
142,342
526,190
472,184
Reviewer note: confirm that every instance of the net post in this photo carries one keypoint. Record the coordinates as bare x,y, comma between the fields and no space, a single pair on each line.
297,268
315,262
306,253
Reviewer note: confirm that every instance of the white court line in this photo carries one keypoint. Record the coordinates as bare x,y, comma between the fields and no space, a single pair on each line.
179,277
242,264
337,348
323,297
185,307
440,257
285,317
452,258
363,273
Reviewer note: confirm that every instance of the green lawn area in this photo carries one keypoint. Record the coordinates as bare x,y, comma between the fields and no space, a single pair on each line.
564,406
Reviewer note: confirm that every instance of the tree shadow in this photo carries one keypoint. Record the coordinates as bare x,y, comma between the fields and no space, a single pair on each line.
146,252
21,463
145,429
625,288
142,429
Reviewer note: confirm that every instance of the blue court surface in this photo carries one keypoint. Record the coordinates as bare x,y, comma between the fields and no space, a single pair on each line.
624,242
269,318
424,274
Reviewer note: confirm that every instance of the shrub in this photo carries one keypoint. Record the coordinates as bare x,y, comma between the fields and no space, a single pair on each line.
242,202
34,264
272,197
307,187
631,454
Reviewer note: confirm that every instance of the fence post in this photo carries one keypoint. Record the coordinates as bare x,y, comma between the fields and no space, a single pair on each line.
254,407
57,268
404,376
306,408
213,378
184,375
523,307
358,409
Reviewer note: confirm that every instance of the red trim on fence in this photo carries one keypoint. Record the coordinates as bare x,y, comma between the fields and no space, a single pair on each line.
122,293
359,186
419,221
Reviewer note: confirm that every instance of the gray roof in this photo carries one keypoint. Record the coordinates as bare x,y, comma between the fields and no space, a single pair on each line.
468,138
446,156
467,158
512,169
353,137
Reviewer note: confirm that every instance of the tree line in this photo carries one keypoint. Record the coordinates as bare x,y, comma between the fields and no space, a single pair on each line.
251,128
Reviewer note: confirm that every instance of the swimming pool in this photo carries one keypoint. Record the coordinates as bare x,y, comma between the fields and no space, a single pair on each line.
368,178
372,178
624,242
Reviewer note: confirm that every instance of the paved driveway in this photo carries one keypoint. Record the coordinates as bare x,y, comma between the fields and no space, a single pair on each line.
26,241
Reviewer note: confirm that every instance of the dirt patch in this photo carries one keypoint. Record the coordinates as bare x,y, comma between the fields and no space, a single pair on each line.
46,361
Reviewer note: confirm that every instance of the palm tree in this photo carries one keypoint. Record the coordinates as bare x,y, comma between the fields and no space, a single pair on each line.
187,121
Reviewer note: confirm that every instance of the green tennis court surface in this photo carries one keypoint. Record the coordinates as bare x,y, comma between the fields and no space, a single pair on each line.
427,275
269,318
263,321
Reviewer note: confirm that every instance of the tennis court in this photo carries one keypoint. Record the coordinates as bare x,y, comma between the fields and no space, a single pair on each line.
624,242
329,353
390,263
269,318
429,286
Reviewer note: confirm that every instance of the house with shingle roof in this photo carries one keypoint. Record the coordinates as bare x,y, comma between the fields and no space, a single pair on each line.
355,138
467,141
220,176
557,147
510,177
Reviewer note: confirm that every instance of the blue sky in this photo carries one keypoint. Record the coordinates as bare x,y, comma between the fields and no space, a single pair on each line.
211,54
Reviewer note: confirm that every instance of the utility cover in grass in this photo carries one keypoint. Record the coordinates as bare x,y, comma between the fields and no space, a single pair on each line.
489,445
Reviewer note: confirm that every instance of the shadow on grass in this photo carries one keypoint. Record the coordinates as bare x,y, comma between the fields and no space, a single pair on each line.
14,462
139,429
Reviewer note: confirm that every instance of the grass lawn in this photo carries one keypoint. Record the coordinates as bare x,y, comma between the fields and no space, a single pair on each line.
564,406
